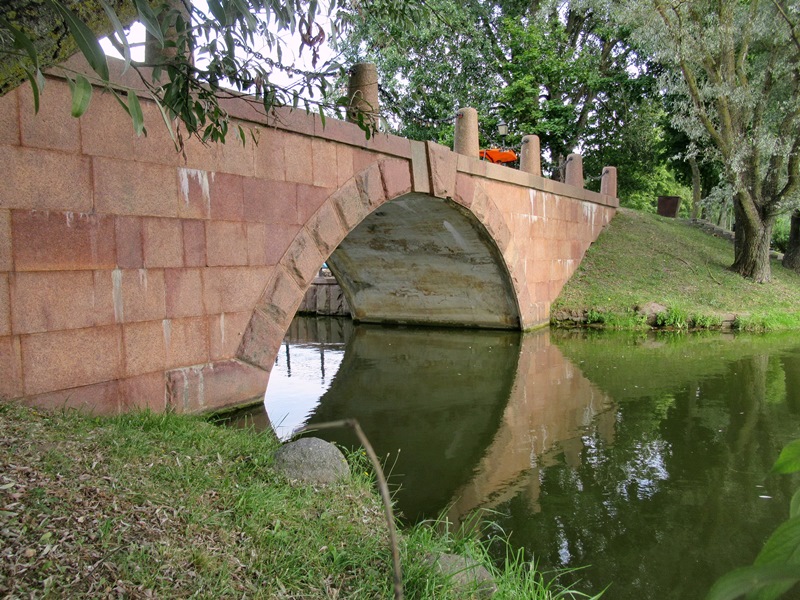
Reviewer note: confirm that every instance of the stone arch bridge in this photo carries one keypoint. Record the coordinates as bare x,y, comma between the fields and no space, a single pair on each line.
132,276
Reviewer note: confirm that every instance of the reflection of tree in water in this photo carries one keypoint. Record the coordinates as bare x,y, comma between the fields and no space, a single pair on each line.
675,501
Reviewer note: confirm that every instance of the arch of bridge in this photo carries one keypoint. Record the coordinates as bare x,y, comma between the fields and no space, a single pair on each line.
385,181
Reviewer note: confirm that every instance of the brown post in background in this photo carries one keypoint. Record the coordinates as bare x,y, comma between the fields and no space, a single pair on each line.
574,170
668,206
363,93
465,140
608,181
530,159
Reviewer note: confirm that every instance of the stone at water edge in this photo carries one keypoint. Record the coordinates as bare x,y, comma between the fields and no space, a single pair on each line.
468,576
650,311
311,460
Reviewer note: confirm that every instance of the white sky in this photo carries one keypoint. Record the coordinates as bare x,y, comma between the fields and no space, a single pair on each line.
290,48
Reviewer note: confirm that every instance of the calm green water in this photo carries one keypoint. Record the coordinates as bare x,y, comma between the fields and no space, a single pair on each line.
641,456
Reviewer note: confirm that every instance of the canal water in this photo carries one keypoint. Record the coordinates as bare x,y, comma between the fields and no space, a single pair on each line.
643,458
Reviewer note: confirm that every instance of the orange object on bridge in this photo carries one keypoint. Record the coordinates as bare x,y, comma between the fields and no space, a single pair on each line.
498,155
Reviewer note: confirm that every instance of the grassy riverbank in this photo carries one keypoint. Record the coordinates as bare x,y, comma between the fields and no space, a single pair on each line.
167,506
643,258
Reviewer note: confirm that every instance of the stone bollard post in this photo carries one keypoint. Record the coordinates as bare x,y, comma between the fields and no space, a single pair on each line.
608,182
362,91
574,170
466,134
530,159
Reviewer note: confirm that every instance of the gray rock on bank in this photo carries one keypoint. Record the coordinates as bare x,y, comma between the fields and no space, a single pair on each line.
311,460
470,579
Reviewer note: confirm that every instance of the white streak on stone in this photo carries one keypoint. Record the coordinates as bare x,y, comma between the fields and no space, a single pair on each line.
202,179
222,328
143,278
116,295
166,326
456,236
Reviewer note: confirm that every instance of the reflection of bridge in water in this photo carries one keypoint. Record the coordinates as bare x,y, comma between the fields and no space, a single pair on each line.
463,417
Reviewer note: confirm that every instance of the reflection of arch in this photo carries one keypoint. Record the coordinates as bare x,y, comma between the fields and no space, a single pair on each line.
537,420
342,213
436,393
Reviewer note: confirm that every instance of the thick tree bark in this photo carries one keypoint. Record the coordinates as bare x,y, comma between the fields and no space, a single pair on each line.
48,33
753,238
696,187
791,260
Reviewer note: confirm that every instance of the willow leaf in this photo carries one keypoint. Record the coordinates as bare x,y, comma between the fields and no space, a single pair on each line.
86,40
81,95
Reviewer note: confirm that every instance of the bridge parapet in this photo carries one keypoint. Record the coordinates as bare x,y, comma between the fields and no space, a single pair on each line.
133,276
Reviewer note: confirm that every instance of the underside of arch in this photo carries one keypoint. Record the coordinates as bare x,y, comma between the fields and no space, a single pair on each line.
427,261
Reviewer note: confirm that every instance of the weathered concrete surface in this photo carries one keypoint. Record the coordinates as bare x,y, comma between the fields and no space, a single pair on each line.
132,277
424,260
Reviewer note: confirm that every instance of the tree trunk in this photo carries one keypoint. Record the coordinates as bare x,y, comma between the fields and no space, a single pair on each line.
791,260
48,33
154,54
696,187
753,238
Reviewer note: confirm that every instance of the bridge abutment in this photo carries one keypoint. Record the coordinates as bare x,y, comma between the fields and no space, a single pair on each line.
132,277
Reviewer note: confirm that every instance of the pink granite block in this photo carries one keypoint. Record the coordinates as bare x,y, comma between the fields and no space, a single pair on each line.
10,368
5,305
57,360
53,127
39,179
143,295
309,199
324,163
273,202
186,341
227,197
130,245
233,289
298,157
226,243
52,241
194,243
184,293
9,117
256,244
145,347
6,261
143,392
123,187
195,193
163,242
49,301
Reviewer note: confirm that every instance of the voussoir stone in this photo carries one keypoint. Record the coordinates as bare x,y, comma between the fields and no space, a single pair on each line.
470,579
311,460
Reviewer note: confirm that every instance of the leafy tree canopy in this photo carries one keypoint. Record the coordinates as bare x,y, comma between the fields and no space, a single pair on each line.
735,66
235,48
559,69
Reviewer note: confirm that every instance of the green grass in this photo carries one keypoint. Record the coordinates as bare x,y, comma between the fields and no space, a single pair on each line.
642,258
167,506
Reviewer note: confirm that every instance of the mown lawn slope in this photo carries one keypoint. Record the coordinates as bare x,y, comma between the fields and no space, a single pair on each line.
642,258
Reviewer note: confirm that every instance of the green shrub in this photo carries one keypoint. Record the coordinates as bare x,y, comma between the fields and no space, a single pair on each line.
673,318
780,234
705,322
594,316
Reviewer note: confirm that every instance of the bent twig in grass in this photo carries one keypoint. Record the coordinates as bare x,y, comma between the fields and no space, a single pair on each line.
382,486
